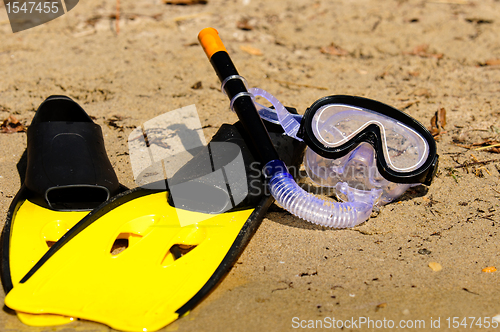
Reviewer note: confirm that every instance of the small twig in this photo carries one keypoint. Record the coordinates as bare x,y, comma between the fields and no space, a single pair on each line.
453,2
188,17
409,104
451,172
478,129
462,145
482,167
484,162
487,147
277,289
300,84
471,146
117,16
488,217
474,158
465,289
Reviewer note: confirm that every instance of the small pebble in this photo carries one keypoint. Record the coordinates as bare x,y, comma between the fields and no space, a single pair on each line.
435,266
489,269
424,251
382,305
406,312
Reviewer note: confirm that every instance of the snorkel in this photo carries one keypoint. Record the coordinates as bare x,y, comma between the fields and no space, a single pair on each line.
301,203
324,153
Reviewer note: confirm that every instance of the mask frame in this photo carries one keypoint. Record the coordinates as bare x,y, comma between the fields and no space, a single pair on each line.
373,136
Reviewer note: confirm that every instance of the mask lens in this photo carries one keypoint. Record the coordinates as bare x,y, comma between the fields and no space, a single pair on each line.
403,148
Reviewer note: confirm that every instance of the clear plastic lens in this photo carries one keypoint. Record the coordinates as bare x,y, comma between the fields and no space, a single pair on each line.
404,149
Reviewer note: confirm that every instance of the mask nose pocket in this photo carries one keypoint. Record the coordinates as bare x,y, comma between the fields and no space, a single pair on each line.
360,167
356,168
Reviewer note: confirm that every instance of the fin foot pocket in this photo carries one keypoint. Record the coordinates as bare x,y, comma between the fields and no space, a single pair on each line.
68,168
119,246
76,197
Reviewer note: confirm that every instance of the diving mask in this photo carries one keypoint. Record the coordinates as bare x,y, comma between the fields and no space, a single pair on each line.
334,126
369,152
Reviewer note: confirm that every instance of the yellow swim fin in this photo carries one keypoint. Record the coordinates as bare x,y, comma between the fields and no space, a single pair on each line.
133,265
67,175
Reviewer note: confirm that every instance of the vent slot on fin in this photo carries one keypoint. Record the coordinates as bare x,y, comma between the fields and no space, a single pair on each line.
124,241
176,251
119,246
179,250
121,243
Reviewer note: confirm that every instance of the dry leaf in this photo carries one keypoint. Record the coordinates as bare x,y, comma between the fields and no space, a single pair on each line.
185,2
492,62
438,122
492,146
11,125
489,269
198,85
494,150
422,92
423,51
333,50
455,2
244,24
251,50
436,267
112,122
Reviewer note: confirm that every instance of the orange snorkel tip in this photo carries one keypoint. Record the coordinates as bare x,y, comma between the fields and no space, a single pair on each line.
211,42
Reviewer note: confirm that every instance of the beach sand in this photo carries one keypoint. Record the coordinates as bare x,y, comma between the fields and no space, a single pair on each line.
419,56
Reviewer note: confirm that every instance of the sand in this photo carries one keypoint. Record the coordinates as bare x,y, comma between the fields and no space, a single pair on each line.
293,272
